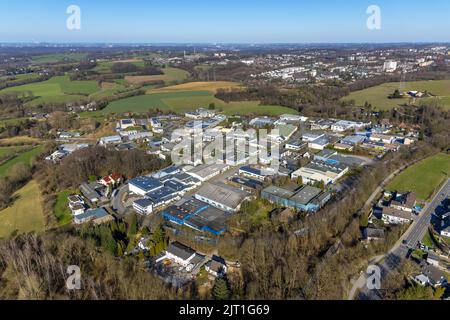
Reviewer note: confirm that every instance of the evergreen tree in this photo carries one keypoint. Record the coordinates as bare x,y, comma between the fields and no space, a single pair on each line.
220,290
158,235
120,248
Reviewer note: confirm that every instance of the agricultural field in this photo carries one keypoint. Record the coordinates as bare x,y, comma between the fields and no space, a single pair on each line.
19,77
25,215
211,86
8,151
25,157
105,66
378,96
57,90
16,121
424,178
170,75
19,141
58,57
183,101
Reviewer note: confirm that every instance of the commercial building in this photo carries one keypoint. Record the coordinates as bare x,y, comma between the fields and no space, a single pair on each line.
319,171
206,172
353,140
197,215
143,206
222,196
251,172
126,123
319,143
307,198
296,145
143,185
105,141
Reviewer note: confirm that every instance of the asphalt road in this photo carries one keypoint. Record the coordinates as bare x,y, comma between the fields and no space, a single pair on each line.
116,202
409,240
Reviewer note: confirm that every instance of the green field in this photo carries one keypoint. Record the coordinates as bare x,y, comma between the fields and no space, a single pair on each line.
7,151
25,215
378,96
16,121
424,178
25,157
58,57
57,90
105,66
62,211
170,75
190,100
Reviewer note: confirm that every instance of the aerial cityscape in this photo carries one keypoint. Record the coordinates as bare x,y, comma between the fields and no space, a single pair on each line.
187,158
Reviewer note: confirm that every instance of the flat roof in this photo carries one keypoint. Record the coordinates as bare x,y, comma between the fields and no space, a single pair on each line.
226,195
279,192
146,183
161,194
306,195
93,213
206,170
198,215
144,203
251,170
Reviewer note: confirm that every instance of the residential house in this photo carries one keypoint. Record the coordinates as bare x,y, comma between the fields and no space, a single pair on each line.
217,266
97,216
180,253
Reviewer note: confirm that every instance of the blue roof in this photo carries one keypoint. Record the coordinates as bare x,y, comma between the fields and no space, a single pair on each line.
161,194
146,183
353,139
144,203
251,170
175,185
170,170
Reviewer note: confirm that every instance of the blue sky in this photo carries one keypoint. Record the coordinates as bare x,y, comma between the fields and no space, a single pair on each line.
230,21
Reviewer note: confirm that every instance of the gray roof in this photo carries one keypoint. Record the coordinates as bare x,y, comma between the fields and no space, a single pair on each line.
434,274
279,192
89,192
206,170
92,214
306,194
180,250
226,195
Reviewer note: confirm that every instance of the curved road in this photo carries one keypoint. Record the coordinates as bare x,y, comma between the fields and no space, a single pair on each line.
399,252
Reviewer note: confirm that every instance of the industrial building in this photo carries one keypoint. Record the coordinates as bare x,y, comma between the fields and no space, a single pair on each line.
307,198
197,215
319,171
222,196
